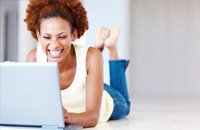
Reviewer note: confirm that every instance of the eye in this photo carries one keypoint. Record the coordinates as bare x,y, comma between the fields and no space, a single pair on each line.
62,37
46,37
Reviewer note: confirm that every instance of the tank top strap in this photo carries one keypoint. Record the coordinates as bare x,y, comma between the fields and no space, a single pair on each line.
81,53
40,55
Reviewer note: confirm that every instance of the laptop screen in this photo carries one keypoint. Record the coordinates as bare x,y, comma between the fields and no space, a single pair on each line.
30,94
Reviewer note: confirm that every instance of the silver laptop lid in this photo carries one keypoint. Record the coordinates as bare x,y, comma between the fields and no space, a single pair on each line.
30,94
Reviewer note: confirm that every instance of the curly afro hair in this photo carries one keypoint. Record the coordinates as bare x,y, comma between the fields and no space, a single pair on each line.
70,10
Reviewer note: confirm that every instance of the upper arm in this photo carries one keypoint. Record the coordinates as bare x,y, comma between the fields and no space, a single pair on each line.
31,57
94,83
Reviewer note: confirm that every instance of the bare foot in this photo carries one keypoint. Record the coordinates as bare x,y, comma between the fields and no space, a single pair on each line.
102,34
111,42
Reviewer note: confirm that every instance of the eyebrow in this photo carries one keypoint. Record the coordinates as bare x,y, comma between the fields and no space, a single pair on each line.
58,34
61,33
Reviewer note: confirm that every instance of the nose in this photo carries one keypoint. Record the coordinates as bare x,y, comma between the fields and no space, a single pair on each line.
54,43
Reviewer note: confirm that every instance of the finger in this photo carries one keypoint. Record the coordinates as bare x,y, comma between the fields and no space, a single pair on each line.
66,120
64,110
65,115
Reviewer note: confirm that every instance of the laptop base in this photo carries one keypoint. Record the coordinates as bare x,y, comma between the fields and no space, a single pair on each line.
67,127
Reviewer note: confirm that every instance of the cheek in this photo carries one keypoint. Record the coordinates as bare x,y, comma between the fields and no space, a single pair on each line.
66,42
45,42
66,45
44,47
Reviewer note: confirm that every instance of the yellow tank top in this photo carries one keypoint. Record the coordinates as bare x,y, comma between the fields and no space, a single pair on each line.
74,97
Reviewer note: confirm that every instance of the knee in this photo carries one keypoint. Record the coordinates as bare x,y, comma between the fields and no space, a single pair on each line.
128,107
120,112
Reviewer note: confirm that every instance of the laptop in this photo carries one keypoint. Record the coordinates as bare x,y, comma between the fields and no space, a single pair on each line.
30,97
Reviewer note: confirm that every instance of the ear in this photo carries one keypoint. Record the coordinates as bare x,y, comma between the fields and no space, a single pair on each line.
38,35
74,35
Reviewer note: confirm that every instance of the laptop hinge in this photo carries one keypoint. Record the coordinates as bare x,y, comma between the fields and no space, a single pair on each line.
50,127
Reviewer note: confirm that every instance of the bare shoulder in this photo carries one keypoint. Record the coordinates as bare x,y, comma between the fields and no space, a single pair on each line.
94,57
31,57
92,51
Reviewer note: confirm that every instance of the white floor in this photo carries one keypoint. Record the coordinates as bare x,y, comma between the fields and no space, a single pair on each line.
158,114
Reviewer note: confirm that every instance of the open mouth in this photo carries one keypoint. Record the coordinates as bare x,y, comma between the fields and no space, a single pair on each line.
55,53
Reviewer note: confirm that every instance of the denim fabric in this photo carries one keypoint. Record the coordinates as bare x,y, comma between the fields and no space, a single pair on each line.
118,89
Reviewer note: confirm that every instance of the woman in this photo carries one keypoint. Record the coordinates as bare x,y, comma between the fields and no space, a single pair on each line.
86,100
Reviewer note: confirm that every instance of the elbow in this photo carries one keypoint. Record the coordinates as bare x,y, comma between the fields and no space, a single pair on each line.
92,124
93,121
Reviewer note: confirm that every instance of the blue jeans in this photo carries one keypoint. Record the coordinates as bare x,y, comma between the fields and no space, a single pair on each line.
118,89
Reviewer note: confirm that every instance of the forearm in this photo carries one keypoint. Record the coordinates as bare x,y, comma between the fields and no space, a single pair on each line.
87,119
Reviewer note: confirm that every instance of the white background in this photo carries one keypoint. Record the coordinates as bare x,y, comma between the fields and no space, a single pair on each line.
161,37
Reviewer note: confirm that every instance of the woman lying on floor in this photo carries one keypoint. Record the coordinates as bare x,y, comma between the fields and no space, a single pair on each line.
86,99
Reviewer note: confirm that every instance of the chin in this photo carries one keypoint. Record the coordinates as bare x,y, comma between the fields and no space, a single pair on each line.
50,59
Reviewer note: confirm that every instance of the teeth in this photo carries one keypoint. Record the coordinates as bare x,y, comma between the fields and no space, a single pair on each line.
55,52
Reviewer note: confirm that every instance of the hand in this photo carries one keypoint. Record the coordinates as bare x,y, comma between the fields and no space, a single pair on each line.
66,116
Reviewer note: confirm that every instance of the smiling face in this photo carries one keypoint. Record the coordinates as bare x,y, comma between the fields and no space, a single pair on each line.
55,37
